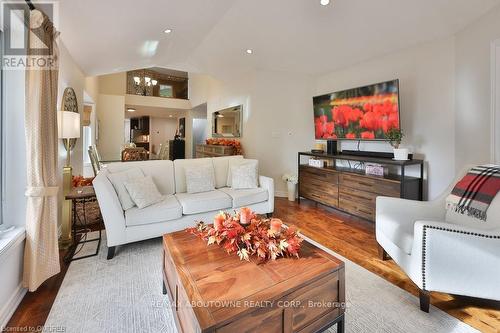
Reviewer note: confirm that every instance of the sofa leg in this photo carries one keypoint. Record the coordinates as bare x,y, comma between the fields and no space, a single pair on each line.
269,215
164,288
111,252
425,300
382,255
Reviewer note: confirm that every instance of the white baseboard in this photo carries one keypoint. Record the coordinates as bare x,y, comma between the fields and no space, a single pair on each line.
281,194
8,309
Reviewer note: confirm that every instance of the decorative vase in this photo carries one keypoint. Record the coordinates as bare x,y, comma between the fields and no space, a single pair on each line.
292,191
401,154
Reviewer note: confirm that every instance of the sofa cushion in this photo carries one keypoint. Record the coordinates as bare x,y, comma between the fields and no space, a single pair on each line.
221,166
118,180
254,163
143,191
162,172
203,202
180,174
165,210
244,176
199,178
246,197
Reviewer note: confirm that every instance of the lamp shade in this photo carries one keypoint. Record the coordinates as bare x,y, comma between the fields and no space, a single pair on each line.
68,124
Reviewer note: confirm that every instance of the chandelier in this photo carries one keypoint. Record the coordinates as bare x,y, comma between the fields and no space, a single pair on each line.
143,84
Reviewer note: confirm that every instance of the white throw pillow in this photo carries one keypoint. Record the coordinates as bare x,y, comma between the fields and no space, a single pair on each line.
118,179
245,175
143,192
200,178
238,162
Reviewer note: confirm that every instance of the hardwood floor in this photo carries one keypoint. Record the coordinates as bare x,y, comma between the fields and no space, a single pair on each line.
354,239
349,236
35,307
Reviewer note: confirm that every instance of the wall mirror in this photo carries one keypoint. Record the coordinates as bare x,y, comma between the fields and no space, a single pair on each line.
227,123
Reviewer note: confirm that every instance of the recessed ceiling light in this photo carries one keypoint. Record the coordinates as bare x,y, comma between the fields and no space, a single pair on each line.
167,31
170,116
324,2
130,109
249,51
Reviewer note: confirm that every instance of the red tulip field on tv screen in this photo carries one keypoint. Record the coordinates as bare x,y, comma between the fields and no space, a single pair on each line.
364,113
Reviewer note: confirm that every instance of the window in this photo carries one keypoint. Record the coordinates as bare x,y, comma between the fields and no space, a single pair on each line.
166,90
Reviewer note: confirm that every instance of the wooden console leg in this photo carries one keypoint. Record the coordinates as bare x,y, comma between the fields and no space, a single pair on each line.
425,300
111,252
382,255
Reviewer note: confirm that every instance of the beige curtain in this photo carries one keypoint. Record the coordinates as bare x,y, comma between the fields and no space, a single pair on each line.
41,255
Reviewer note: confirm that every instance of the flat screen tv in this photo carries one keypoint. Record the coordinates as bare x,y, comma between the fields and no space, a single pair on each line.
364,113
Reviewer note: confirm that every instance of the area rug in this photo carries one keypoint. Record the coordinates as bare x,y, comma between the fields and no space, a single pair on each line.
125,295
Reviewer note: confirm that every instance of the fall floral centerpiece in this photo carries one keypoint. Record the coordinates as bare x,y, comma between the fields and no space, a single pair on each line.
81,181
226,142
247,234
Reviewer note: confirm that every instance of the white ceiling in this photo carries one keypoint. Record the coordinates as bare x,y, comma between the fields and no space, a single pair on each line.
291,35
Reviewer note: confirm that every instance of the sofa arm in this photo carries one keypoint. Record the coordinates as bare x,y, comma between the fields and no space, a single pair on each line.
268,184
406,212
458,259
111,209
396,217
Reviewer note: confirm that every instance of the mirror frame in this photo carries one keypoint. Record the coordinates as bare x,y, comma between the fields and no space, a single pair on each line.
238,108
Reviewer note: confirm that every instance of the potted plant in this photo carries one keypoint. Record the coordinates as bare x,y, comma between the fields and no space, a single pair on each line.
394,136
291,180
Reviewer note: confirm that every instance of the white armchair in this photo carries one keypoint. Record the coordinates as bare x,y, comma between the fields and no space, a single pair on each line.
441,250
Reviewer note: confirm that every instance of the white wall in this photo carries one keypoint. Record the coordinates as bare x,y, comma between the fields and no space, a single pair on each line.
426,74
70,75
473,89
496,106
161,130
277,115
11,263
111,116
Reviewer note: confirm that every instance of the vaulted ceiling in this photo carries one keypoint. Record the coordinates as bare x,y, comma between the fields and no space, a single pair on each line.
290,35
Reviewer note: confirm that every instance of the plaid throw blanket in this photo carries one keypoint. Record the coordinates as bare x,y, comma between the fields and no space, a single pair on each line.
473,194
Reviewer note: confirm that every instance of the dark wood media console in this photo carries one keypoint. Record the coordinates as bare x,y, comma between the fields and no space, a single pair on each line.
349,189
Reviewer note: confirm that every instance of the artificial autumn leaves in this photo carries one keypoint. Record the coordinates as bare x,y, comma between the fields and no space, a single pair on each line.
246,234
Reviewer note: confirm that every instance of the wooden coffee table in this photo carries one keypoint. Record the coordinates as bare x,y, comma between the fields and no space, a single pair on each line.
211,291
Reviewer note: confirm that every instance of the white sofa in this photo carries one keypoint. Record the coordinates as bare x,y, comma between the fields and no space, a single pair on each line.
179,209
441,250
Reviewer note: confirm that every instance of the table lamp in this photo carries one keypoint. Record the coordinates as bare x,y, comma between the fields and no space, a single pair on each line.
68,125
68,128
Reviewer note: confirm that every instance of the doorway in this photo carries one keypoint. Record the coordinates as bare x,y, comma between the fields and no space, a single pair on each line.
88,137
199,125
200,132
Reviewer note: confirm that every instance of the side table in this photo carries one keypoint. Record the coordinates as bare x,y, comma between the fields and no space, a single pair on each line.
81,196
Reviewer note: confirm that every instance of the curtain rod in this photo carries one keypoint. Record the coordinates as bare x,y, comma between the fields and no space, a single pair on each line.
30,4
